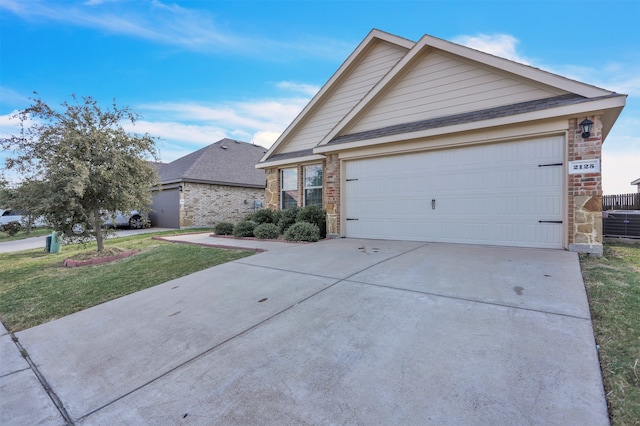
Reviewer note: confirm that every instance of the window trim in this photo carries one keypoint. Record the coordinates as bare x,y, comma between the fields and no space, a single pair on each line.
304,183
283,189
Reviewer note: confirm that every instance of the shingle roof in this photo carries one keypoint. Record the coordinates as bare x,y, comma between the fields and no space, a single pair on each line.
226,162
468,117
288,155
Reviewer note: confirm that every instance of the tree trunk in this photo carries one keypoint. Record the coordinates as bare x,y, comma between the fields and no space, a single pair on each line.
97,225
29,224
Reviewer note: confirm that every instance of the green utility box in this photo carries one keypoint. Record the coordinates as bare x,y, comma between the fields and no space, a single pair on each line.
56,242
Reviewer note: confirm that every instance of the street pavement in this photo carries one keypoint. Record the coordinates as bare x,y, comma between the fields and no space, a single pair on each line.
40,242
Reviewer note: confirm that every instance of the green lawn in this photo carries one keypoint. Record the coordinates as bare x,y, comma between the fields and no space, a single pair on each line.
35,288
613,289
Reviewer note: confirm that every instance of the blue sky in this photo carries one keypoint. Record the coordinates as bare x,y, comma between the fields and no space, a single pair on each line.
198,71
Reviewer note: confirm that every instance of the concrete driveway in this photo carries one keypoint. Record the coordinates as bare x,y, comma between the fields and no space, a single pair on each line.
337,332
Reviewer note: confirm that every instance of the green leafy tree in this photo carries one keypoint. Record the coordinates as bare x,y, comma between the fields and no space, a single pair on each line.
24,197
80,162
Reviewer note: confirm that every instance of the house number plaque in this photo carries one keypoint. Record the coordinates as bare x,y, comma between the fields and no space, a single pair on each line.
584,166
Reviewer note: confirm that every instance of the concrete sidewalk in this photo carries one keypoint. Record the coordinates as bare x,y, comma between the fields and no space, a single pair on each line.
23,399
340,331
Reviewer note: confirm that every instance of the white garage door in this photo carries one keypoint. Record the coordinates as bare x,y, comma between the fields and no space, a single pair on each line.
501,194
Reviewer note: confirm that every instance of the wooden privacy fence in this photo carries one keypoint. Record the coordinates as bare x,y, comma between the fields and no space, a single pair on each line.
621,202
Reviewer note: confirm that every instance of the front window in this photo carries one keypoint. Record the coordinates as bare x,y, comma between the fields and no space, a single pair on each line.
313,185
288,188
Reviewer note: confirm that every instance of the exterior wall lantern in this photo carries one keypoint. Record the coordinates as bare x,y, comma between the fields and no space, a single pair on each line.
586,128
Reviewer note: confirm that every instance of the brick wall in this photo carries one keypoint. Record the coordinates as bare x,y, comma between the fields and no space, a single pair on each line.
585,190
206,205
331,194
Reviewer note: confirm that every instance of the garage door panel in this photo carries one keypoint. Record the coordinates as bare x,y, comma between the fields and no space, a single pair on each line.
491,194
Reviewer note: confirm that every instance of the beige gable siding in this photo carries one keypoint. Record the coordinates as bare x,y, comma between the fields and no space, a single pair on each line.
440,85
380,59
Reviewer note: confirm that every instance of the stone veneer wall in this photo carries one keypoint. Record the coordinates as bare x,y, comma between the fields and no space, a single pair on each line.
272,191
585,190
330,191
205,205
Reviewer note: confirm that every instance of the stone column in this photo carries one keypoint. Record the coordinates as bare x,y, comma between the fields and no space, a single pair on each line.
272,191
585,190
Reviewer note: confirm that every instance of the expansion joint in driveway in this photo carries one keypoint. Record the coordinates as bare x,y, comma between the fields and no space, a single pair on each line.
466,299
202,354
47,388
247,330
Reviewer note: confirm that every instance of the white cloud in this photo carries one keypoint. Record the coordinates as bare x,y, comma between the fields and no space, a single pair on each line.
502,45
8,125
619,169
306,89
173,25
183,127
265,138
194,125
194,134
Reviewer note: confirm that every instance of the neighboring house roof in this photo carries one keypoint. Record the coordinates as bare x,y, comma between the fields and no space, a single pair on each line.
392,89
157,165
226,162
636,182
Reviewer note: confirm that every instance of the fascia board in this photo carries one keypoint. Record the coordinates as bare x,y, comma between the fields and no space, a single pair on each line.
609,118
564,111
326,88
289,161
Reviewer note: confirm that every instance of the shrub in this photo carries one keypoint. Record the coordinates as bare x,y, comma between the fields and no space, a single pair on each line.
315,215
302,231
261,216
244,229
223,228
12,228
287,217
267,231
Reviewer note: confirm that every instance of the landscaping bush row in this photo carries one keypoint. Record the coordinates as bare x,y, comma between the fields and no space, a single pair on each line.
11,228
293,224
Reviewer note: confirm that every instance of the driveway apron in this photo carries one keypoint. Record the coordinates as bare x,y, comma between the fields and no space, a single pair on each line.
340,331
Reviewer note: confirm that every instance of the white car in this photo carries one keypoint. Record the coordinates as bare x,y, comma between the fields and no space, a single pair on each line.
18,216
133,220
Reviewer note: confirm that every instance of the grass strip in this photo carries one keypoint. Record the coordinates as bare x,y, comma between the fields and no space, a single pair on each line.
35,288
22,234
613,289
